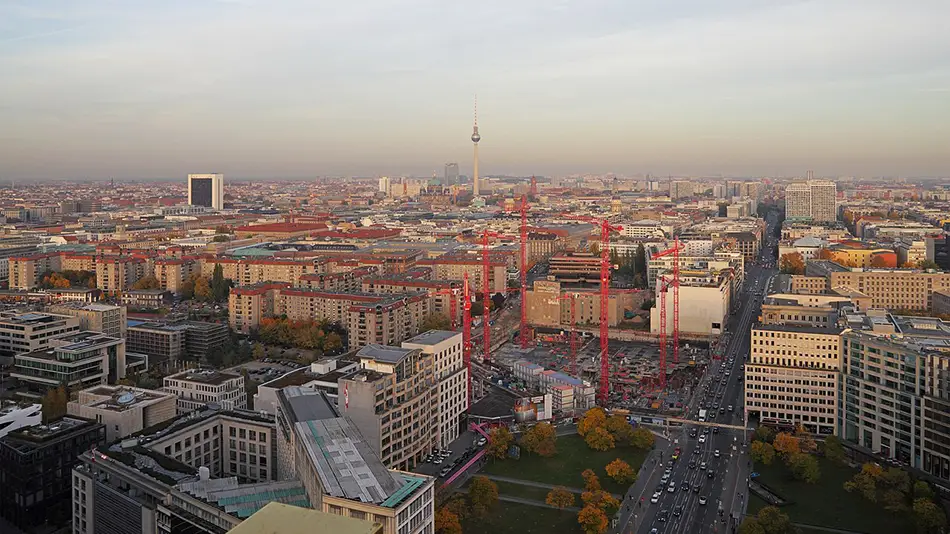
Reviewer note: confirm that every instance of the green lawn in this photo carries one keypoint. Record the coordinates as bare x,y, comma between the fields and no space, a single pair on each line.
826,503
525,492
514,518
564,469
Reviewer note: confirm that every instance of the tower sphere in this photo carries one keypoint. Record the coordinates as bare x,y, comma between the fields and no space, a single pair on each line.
476,138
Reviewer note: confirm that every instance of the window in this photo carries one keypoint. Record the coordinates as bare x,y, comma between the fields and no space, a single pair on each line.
232,431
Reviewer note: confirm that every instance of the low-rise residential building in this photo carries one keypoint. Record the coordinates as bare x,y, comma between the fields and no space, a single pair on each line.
390,399
452,395
123,410
198,388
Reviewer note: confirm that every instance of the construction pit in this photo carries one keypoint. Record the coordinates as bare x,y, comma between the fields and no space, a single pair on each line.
634,369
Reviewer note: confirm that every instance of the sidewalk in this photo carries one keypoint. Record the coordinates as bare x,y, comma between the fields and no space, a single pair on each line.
529,502
541,485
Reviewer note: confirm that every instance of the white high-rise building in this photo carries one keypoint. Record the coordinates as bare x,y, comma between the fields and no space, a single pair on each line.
206,190
811,200
452,377
385,185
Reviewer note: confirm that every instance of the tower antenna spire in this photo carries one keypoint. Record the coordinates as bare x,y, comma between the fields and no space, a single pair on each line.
475,139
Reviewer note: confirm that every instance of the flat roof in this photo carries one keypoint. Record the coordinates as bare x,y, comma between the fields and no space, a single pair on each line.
384,353
287,519
834,330
433,337
204,376
306,404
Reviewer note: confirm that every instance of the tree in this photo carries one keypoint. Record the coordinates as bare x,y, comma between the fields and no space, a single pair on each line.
825,254
751,525
762,452
619,428
833,449
203,290
447,522
764,433
592,519
259,351
621,471
436,321
804,467
53,404
540,439
591,482
922,490
865,482
786,444
928,264
332,343
559,497
499,441
642,438
599,439
928,517
805,442
640,263
769,520
792,263
188,288
593,418
147,282
483,495
220,287
879,261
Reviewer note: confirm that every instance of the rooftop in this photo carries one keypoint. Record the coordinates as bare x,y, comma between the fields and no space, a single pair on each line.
245,500
306,405
433,337
383,353
119,399
204,376
798,329
41,433
286,519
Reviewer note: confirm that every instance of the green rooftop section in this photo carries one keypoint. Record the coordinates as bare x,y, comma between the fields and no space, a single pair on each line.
411,485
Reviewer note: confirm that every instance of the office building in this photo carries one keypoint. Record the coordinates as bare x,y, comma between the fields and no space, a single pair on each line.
163,343
710,296
29,332
198,388
401,428
445,348
792,375
813,200
681,189
206,190
451,174
385,185
340,470
892,289
550,305
105,318
14,415
35,466
123,410
78,360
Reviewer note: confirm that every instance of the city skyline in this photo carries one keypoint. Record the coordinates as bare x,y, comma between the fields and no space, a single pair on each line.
293,90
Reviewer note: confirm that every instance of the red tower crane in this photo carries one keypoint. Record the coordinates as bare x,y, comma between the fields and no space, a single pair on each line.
664,284
605,228
467,331
486,295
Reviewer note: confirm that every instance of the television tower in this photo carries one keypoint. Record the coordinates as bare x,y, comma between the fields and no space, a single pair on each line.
475,139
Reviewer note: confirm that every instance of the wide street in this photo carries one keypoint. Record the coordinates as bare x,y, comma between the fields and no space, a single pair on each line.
709,481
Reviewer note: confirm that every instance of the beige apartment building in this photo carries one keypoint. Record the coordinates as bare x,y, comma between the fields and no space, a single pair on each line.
441,292
123,410
173,272
445,347
815,285
25,271
345,281
456,268
390,399
118,273
250,272
248,305
893,289
792,375
106,318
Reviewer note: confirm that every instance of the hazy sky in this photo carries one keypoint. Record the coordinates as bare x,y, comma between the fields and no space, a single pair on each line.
259,88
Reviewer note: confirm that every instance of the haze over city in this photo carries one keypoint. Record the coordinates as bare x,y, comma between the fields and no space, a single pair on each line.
301,89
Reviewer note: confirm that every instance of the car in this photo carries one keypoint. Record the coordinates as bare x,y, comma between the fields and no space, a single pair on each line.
665,478
702,439
684,486
706,430
663,515
656,498
710,473
482,441
671,488
444,471
692,464
722,411
697,450
437,460
654,531
702,500
716,453
702,465
715,430
696,488
676,456
731,408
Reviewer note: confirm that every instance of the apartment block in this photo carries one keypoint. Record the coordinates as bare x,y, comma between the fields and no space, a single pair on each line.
248,305
29,332
198,388
250,272
123,410
35,466
391,401
813,285
715,261
441,293
344,281
77,360
575,267
813,200
105,318
119,273
792,375
26,271
455,268
445,348
150,299
173,272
